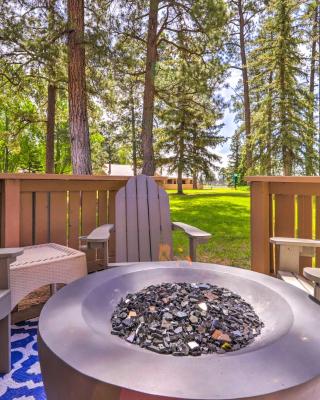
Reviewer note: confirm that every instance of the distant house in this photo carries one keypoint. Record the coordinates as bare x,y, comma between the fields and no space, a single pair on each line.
187,183
170,181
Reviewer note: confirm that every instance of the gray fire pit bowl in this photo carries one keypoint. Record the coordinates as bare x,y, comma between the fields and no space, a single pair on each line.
80,359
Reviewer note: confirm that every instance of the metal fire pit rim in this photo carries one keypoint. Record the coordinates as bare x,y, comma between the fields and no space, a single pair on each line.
77,291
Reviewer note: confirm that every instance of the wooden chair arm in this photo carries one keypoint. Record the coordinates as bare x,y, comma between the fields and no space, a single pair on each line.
191,231
98,239
313,274
285,241
100,234
10,252
196,236
7,256
291,249
5,303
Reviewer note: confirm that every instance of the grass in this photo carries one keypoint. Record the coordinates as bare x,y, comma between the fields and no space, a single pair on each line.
225,214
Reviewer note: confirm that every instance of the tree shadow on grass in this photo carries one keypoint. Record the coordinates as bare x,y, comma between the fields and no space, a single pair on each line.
225,220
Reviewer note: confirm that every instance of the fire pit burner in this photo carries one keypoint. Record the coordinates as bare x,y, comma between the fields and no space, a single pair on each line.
186,319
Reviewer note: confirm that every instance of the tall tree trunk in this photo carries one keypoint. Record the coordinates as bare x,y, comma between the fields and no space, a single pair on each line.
286,151
51,108
109,152
195,179
313,52
78,117
58,155
318,13
309,157
6,150
194,155
149,91
269,129
181,157
51,112
180,166
133,133
6,159
318,8
246,93
287,158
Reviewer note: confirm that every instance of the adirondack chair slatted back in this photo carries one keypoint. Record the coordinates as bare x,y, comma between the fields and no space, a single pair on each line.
143,226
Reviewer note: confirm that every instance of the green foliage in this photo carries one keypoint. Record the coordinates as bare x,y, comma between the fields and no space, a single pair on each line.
283,129
189,108
196,43
279,117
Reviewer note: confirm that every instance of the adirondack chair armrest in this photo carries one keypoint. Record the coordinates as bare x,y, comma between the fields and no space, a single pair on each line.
100,234
295,242
7,256
191,231
195,235
313,275
291,249
10,252
97,238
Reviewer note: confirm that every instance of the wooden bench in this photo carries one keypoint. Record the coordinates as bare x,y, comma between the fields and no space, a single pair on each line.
291,250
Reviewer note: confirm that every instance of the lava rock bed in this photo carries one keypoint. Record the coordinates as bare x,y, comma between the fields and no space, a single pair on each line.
186,319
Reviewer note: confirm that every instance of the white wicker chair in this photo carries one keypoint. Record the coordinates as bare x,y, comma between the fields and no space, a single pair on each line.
44,264
26,269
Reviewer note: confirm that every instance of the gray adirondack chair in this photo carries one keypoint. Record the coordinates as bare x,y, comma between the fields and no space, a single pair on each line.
7,256
143,229
290,251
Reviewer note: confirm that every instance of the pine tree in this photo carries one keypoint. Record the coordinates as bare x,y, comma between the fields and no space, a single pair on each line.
52,90
281,100
235,156
149,90
312,39
32,52
189,109
243,14
78,117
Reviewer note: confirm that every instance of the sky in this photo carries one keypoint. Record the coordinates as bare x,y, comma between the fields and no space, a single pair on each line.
228,120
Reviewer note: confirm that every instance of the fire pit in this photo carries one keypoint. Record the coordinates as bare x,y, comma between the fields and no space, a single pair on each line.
186,319
81,359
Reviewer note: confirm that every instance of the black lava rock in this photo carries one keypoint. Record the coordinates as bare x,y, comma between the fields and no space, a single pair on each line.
186,319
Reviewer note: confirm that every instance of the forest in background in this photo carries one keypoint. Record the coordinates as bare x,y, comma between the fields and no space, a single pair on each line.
87,83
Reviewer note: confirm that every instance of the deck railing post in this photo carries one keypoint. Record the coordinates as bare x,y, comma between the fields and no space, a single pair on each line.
10,213
260,227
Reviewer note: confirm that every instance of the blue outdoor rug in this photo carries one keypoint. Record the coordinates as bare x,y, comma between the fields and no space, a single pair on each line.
24,381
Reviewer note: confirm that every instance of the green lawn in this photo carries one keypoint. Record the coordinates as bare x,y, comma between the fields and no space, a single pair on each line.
223,212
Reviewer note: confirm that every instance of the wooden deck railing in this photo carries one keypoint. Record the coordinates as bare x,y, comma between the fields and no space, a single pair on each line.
282,206
45,208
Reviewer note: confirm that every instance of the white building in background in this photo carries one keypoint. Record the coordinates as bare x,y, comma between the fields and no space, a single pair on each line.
170,181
